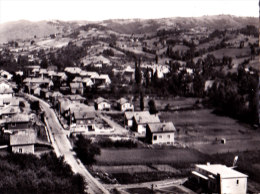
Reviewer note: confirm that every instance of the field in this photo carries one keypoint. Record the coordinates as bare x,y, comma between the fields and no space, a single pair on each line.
171,102
203,130
231,52
148,156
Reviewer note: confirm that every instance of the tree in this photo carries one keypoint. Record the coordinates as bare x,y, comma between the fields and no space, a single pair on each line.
141,102
86,150
152,107
147,77
138,75
156,59
44,63
35,106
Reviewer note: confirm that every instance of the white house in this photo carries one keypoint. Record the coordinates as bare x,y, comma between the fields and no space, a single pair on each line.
217,178
160,133
102,104
141,119
6,90
124,105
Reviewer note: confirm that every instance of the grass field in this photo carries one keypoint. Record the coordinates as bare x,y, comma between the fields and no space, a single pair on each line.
148,156
230,52
203,130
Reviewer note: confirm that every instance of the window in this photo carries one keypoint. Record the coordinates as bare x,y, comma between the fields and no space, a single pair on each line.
160,137
13,124
20,150
169,136
237,182
155,137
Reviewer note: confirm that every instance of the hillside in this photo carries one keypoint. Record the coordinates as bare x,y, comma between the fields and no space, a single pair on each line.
24,29
138,26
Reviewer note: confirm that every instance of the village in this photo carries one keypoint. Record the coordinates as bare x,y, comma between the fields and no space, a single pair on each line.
161,112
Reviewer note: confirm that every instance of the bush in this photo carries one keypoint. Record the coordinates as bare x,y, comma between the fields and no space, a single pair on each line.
108,143
30,174
86,150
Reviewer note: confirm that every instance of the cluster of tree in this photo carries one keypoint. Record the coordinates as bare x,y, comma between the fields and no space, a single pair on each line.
66,56
108,143
214,34
86,150
249,30
13,43
91,26
192,52
30,174
108,52
235,95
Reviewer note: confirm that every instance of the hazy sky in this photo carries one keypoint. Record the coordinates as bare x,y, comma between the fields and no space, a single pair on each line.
94,10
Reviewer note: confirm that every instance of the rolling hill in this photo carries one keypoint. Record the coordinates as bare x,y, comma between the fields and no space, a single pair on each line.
24,29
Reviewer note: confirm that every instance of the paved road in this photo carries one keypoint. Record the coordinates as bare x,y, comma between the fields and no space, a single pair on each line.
63,147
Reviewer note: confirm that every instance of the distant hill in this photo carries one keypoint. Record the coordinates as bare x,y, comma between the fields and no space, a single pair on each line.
212,22
25,29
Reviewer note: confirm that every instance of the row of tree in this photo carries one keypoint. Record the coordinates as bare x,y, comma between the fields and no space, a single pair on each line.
30,174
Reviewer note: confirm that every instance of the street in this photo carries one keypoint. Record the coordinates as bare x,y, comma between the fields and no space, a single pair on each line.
62,147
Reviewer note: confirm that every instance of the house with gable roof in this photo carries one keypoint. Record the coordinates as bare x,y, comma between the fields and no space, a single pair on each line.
124,105
141,119
102,104
23,142
160,133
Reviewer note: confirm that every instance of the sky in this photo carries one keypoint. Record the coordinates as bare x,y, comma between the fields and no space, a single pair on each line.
96,10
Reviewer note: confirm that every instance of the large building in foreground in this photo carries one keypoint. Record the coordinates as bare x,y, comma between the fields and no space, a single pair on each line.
217,178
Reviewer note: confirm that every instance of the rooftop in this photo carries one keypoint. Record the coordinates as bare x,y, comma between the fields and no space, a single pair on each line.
100,100
23,138
84,115
161,127
146,117
122,101
223,170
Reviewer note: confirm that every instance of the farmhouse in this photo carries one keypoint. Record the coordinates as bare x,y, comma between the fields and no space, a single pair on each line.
102,104
84,121
219,178
141,119
124,105
23,142
160,133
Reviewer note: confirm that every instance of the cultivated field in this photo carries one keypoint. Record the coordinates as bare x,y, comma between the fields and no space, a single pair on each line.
148,156
203,130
